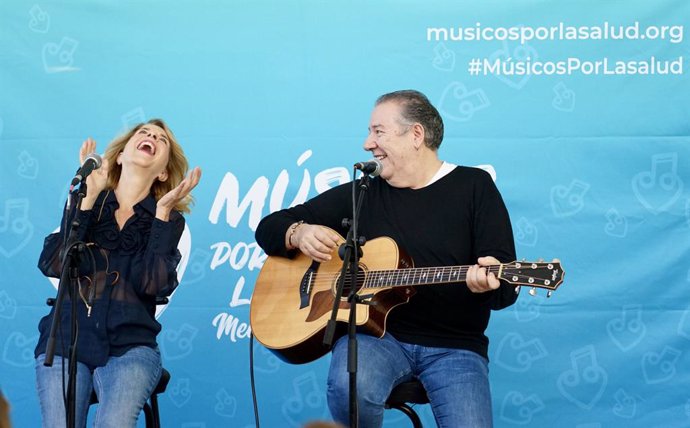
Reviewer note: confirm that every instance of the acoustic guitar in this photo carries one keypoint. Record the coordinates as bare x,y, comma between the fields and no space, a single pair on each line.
293,298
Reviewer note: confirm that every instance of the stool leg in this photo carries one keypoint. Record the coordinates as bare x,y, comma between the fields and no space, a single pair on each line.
416,422
149,415
153,419
154,410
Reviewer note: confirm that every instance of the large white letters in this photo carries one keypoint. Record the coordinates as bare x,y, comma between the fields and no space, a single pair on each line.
241,255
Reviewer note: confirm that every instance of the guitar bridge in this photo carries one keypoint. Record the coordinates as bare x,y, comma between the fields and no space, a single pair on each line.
305,285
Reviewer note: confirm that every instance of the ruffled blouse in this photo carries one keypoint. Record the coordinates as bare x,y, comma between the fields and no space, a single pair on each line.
121,272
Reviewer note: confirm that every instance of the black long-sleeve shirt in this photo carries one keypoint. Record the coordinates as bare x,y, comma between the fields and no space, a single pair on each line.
452,221
133,266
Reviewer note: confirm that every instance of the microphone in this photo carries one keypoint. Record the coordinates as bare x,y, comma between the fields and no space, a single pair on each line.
92,161
372,167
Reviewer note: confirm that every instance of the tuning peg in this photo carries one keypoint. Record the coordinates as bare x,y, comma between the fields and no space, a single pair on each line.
533,291
540,260
549,293
517,289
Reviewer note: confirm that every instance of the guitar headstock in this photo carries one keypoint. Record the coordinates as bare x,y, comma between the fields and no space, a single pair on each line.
548,275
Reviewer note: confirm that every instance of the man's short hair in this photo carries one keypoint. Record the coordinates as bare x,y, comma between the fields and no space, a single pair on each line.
416,108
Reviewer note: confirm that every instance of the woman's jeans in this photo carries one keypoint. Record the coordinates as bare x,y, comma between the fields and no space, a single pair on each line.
456,381
123,385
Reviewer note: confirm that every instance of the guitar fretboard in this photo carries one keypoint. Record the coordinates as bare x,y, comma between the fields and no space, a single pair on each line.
420,276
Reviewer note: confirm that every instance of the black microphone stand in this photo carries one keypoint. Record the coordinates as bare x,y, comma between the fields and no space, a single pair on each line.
350,252
70,275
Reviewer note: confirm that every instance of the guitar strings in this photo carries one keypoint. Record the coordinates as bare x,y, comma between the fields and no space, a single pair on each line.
418,275
414,276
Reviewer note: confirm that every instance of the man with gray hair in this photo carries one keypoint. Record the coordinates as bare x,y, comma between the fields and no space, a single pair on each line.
440,214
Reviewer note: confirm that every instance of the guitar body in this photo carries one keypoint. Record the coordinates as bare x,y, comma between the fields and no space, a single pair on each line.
293,300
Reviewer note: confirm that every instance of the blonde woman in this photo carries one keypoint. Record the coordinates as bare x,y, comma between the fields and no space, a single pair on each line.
130,222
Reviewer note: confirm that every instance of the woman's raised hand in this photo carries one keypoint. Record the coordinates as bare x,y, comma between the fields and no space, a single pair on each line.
169,200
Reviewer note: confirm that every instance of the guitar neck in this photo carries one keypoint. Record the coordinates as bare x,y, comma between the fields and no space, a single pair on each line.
547,275
421,276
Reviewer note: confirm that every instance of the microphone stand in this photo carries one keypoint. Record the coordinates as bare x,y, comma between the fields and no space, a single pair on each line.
69,275
350,252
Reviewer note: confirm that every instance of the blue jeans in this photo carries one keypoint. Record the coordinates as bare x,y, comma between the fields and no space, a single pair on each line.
456,381
123,385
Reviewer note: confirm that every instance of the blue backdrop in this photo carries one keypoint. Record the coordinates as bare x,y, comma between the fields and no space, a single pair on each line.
580,109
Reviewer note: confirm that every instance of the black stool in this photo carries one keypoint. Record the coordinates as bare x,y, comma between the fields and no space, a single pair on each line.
151,406
411,391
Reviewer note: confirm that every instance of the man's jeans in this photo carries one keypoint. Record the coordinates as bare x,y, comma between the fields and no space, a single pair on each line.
456,381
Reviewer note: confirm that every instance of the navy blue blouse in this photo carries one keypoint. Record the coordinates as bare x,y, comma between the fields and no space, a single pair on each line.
133,266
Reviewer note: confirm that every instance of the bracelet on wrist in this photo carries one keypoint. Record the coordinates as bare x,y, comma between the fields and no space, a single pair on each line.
293,229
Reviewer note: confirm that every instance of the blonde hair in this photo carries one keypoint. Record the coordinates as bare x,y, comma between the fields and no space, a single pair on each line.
177,164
